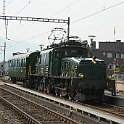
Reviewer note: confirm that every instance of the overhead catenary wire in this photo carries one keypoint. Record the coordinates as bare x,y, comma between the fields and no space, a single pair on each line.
51,15
90,3
71,4
24,7
93,14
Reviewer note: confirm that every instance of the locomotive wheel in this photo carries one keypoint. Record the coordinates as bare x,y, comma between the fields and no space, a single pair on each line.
40,87
36,86
71,93
48,89
60,93
13,80
56,92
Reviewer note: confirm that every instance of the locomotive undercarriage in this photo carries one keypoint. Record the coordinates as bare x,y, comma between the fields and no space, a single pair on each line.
64,87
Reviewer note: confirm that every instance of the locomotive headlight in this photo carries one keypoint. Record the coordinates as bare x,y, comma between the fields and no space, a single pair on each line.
94,61
81,75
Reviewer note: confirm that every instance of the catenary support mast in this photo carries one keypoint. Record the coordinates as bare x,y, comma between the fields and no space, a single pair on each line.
6,18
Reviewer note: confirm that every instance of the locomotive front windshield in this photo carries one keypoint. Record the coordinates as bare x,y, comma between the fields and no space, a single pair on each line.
75,52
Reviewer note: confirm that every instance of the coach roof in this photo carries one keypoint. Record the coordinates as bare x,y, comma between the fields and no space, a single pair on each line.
22,55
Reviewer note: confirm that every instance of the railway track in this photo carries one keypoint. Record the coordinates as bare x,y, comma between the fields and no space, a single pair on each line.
75,113
32,111
9,116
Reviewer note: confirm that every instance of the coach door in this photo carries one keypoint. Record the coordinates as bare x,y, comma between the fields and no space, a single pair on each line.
55,63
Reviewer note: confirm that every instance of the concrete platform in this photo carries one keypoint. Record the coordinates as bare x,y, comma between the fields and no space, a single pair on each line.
116,100
2,83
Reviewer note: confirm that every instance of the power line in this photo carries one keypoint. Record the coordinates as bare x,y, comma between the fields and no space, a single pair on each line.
24,7
18,42
98,12
81,18
71,4
90,3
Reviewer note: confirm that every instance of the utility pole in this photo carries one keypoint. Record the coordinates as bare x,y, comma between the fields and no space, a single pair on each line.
4,7
68,27
6,21
93,43
4,52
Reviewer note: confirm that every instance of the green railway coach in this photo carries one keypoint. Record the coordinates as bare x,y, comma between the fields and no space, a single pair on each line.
20,66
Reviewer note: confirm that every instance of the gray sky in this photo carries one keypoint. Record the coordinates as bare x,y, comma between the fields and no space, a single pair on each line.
88,17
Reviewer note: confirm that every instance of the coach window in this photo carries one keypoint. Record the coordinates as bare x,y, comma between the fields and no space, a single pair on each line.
10,63
25,61
13,63
17,62
22,63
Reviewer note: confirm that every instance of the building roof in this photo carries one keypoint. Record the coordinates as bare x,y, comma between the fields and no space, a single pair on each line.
112,46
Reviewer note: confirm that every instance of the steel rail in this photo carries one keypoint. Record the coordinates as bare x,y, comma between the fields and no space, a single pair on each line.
21,112
74,115
32,119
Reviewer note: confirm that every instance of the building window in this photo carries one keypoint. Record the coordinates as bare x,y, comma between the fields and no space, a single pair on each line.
117,55
103,53
109,55
122,56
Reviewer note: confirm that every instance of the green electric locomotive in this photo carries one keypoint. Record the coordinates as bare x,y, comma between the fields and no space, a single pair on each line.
68,69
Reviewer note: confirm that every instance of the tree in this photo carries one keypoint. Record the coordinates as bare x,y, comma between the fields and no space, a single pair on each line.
122,68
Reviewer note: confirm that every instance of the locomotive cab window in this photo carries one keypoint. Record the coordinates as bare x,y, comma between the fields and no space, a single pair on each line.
56,53
75,52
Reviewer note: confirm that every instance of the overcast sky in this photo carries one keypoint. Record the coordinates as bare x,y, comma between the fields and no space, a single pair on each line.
88,17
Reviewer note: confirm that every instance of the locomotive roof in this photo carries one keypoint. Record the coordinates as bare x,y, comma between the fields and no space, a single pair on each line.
22,55
46,50
70,43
